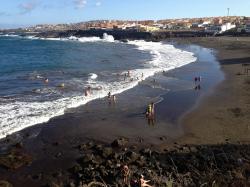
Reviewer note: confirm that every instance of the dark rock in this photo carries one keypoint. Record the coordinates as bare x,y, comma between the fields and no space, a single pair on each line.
5,184
192,149
55,144
58,155
15,160
132,156
98,148
54,184
82,147
37,177
76,168
107,151
57,174
87,158
19,145
90,144
162,138
147,152
119,142
72,184
141,161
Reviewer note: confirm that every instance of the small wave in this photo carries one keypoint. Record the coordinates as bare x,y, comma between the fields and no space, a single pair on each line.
108,38
93,76
89,39
105,38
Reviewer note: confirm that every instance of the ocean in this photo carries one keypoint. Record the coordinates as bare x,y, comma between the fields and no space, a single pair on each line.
76,63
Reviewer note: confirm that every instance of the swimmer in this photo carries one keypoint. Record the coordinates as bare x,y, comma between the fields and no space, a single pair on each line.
46,81
109,95
128,73
86,93
199,78
113,98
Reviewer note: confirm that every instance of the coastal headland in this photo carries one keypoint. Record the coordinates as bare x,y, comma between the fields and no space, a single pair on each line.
210,146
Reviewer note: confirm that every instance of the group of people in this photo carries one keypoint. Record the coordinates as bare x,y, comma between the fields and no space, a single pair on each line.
111,98
128,75
197,81
46,81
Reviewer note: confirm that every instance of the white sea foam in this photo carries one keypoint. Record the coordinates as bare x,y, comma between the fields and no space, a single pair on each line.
93,76
105,38
19,115
108,38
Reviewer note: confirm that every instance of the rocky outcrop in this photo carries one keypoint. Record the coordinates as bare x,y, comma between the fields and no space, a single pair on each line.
188,165
5,184
15,159
123,34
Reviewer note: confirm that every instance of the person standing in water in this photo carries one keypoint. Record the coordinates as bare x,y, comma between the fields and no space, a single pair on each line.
128,73
46,81
114,98
109,95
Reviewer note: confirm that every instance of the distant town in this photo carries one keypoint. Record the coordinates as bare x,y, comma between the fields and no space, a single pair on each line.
206,24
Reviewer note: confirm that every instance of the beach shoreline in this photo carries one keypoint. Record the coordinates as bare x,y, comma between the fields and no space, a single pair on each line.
196,129
218,116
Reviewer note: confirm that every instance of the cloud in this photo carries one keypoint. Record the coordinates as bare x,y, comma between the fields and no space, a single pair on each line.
79,4
28,6
98,3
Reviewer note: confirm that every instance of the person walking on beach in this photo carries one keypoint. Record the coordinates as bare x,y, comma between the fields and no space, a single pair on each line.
152,109
114,98
199,78
150,113
195,79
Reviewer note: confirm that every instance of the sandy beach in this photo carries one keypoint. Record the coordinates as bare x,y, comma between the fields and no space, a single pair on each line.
224,115
189,122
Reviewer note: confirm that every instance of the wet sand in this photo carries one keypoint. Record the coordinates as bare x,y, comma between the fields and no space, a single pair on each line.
183,115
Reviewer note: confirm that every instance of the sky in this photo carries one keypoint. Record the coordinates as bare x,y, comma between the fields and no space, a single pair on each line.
15,13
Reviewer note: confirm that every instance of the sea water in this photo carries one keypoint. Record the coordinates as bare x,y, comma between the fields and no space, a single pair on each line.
102,64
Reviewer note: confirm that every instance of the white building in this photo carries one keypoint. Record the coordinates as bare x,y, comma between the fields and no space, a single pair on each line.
247,28
220,28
